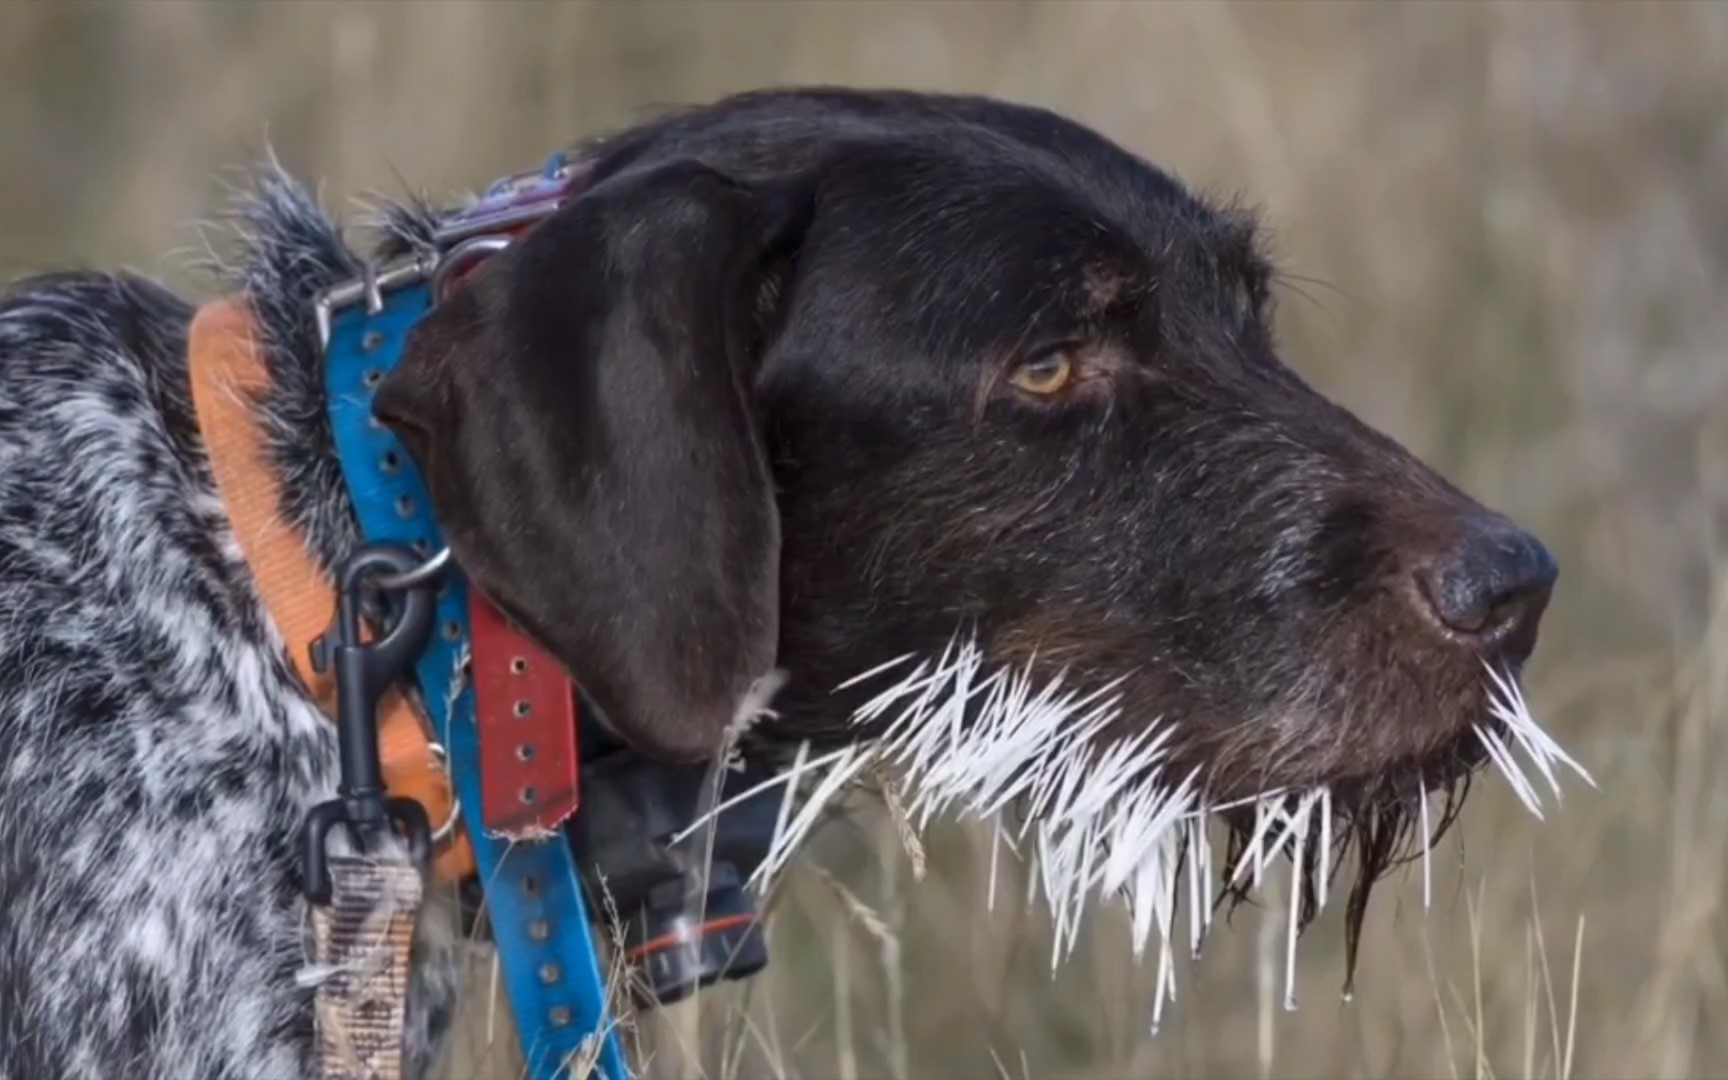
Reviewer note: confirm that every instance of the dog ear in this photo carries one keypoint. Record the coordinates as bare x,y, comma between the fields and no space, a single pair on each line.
581,409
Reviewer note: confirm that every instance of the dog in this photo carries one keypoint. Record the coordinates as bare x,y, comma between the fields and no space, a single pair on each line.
819,381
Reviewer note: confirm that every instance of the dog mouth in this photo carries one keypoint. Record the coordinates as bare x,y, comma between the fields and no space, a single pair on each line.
1118,819
1387,819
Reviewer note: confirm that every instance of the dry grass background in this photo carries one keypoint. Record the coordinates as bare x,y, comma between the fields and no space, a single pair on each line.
1510,226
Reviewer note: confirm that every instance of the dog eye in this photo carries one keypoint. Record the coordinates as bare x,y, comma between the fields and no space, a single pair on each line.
1046,374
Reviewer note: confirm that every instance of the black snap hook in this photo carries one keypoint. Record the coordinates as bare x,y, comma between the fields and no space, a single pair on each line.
364,671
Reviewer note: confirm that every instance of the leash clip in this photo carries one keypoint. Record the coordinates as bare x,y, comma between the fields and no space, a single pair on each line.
365,670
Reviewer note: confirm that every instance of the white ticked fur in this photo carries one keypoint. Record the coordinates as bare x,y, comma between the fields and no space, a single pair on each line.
157,752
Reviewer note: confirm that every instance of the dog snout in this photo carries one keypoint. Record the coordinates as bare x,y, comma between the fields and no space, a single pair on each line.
1489,585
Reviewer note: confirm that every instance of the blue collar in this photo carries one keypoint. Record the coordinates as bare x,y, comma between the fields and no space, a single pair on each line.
532,888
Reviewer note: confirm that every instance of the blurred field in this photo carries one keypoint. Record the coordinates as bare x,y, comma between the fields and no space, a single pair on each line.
1506,226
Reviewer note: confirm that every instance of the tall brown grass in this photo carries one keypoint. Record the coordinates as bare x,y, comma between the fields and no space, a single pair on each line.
1505,227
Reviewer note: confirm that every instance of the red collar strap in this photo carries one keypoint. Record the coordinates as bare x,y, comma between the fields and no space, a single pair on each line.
524,701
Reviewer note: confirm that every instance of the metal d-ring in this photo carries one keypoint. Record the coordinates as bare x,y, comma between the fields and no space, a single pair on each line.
446,828
423,574
463,254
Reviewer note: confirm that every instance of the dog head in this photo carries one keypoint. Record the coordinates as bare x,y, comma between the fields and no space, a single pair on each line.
820,381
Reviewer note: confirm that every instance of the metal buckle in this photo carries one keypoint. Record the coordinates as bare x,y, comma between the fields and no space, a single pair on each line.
371,287
520,199
484,228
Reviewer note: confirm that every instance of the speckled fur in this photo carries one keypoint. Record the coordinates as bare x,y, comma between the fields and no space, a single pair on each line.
157,753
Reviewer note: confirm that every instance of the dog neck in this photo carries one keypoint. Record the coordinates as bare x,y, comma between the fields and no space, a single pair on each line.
286,250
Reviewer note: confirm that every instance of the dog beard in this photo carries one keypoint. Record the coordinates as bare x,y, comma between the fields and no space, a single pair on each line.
1116,819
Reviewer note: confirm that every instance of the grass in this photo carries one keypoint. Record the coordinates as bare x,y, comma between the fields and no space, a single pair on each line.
1505,227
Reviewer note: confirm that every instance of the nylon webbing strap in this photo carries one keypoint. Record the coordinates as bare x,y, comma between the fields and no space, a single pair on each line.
362,944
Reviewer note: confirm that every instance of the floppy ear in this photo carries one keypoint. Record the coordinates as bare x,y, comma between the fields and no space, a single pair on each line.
581,408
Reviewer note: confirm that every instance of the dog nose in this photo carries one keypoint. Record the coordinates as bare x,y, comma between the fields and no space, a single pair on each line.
1491,585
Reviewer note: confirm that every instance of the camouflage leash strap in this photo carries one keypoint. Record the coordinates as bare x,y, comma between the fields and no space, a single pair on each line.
362,944
365,898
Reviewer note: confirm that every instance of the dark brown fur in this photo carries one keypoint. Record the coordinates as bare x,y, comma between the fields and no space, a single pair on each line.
760,384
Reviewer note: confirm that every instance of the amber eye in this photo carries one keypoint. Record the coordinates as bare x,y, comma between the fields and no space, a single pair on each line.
1046,374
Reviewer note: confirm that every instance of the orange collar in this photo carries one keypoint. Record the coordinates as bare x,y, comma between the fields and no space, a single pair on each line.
227,375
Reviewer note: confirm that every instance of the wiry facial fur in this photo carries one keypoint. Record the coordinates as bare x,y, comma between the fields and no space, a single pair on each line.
1196,528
